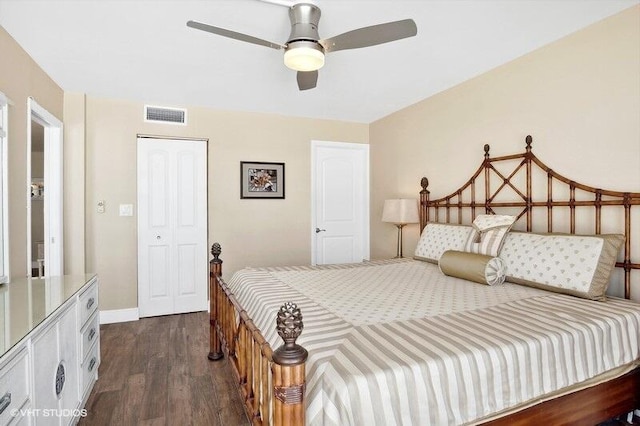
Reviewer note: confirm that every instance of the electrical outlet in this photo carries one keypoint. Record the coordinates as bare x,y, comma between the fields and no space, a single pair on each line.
101,206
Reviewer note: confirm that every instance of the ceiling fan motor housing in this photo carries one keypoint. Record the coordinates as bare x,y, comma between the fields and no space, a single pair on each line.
304,24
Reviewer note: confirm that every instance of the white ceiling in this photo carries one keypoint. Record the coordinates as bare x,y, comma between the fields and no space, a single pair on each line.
142,50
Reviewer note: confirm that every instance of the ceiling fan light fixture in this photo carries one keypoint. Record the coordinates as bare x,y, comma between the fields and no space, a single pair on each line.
304,56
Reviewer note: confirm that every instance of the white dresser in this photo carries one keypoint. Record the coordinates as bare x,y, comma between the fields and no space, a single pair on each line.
50,349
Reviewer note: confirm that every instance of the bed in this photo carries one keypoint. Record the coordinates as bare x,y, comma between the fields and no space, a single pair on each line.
399,342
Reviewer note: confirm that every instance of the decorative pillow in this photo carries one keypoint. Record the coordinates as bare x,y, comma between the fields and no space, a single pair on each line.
579,265
437,238
488,233
473,267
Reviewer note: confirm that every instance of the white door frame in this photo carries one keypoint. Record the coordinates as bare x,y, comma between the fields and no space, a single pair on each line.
363,149
53,214
4,190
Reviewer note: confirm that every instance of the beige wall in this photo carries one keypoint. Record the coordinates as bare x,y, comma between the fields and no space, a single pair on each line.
21,77
578,97
74,185
252,232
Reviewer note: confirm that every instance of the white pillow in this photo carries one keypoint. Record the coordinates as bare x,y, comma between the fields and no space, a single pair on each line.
488,234
437,238
573,264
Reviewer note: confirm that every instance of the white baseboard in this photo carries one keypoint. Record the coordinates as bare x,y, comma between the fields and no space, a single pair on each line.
119,315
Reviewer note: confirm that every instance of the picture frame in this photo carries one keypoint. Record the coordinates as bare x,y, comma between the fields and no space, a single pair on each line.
261,180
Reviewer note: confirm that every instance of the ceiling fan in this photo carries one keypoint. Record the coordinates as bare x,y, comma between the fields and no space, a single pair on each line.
304,51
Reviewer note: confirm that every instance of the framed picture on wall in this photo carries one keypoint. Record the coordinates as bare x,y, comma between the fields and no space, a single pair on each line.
261,180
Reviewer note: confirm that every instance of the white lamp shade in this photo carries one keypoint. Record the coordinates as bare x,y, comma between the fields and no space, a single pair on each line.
400,211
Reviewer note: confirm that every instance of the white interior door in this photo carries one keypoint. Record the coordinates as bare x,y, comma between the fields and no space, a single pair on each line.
340,202
172,226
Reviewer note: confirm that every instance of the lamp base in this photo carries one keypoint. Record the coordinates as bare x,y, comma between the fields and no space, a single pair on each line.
399,246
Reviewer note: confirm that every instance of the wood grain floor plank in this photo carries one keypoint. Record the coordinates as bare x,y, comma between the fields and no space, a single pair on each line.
115,363
140,350
154,402
199,365
132,396
100,408
179,395
160,421
223,378
205,408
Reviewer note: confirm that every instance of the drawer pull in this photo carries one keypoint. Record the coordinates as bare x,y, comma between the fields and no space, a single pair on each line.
92,364
92,334
5,402
90,303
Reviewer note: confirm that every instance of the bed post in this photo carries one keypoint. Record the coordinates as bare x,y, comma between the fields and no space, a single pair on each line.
215,271
486,164
424,203
289,369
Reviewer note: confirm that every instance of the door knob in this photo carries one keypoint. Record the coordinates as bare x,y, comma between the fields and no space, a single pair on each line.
318,230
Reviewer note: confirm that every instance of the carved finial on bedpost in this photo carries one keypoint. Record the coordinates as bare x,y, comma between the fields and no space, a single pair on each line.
528,141
288,369
424,183
216,262
486,150
216,250
289,326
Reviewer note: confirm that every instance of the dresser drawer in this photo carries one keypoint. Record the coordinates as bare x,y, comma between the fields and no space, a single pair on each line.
90,334
88,303
90,368
14,385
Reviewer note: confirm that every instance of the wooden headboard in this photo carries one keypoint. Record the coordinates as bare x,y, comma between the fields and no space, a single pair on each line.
520,184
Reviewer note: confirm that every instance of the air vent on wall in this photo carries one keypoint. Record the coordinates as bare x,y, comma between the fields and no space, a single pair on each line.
165,115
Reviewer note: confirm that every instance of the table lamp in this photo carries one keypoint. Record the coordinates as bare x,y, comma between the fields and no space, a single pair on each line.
400,212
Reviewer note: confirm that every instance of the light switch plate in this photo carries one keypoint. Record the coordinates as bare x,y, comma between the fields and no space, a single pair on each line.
126,209
101,206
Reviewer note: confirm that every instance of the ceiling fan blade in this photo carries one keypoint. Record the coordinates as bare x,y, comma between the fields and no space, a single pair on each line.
371,36
307,80
233,35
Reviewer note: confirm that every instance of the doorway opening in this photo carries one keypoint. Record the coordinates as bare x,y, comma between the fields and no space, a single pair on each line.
44,193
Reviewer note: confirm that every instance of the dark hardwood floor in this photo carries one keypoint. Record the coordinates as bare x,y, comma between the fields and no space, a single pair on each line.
155,372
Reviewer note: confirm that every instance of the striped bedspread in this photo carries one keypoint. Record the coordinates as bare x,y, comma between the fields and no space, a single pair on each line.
399,343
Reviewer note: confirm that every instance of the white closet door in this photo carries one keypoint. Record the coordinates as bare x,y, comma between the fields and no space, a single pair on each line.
172,226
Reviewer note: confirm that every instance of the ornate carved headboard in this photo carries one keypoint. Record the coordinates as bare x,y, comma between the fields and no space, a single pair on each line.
519,184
